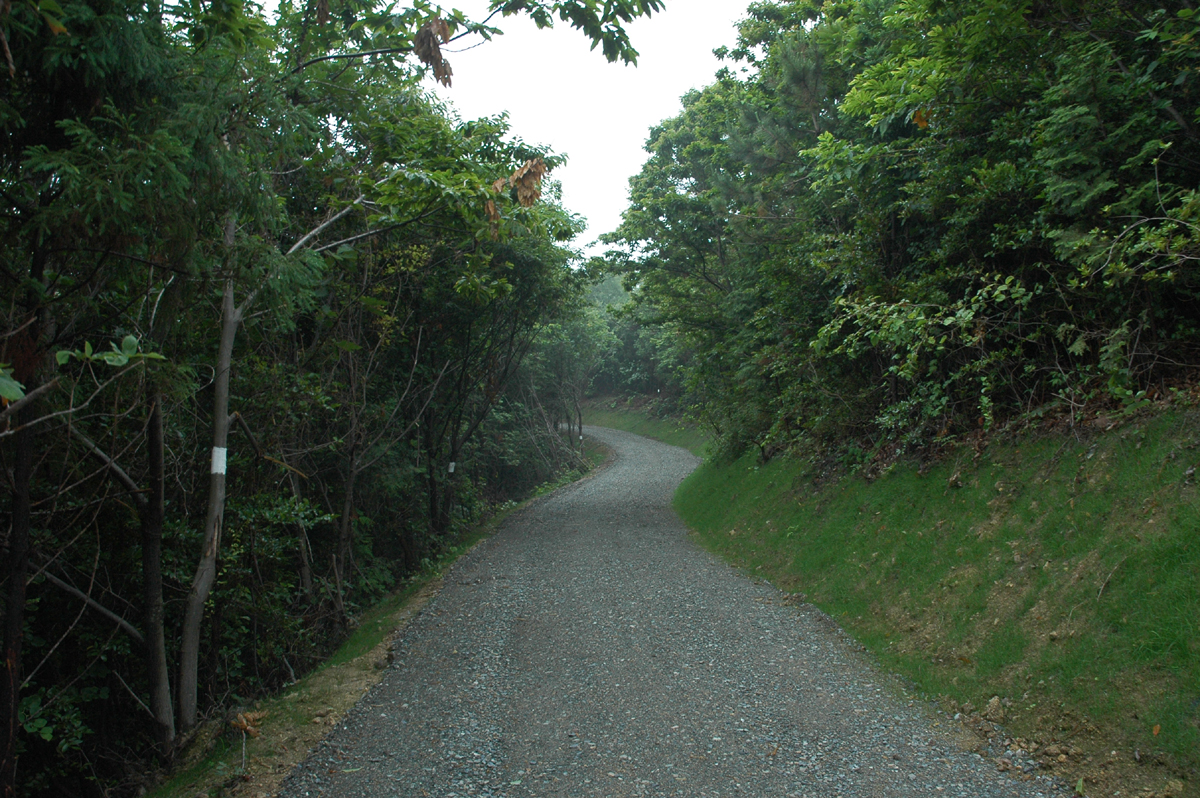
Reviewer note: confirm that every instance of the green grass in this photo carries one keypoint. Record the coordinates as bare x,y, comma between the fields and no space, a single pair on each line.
1063,572
617,414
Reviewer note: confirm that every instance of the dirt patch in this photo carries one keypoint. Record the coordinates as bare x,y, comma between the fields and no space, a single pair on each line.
1072,749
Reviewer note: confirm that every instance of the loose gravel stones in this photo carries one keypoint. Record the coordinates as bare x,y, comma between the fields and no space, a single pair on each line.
589,648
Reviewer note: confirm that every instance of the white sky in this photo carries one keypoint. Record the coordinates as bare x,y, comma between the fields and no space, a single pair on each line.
560,94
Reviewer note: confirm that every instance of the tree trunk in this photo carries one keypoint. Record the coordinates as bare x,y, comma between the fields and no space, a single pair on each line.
306,580
152,532
14,615
346,527
206,569
579,419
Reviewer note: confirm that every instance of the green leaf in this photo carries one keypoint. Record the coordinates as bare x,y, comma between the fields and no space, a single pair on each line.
62,356
347,346
10,389
129,345
55,26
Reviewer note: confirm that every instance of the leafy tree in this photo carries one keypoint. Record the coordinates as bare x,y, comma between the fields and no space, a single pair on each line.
238,206
906,222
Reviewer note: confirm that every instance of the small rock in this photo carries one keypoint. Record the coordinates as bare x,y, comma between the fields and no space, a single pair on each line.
994,711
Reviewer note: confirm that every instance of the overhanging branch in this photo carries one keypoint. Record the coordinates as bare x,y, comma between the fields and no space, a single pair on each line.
362,54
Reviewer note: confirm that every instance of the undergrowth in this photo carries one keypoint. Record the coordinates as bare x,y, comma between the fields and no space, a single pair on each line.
216,760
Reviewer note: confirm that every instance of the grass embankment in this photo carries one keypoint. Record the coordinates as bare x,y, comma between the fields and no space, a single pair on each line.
634,417
1060,573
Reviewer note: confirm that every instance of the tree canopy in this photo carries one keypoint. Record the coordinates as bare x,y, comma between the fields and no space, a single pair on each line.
275,330
890,224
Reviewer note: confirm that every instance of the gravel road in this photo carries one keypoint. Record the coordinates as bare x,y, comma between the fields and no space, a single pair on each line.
590,648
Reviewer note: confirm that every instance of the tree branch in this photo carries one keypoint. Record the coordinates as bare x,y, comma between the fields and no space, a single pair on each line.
363,54
73,408
125,625
424,214
27,398
317,230
118,472
258,449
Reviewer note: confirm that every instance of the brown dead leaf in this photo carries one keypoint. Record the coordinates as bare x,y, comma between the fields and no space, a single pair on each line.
528,181
493,216
248,722
428,49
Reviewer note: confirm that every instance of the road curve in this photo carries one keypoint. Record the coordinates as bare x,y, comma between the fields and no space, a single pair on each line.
589,648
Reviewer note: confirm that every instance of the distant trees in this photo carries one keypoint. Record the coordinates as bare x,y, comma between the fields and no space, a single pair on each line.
906,222
258,293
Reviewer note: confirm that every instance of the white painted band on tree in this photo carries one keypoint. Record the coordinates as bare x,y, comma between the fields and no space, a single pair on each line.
451,467
218,460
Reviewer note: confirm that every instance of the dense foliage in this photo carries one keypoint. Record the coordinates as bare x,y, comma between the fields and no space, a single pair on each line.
895,222
274,328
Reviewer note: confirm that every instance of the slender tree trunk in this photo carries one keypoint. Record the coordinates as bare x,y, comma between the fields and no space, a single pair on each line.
306,580
449,494
152,532
206,569
14,615
432,494
346,527
579,419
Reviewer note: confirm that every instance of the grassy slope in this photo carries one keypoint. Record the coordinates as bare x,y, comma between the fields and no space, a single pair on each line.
1060,573
616,414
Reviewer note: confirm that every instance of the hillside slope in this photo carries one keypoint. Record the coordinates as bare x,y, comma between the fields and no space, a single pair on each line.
1059,574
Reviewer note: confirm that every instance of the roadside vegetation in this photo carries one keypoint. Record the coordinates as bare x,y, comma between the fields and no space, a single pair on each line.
1057,571
924,274
276,329
638,415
